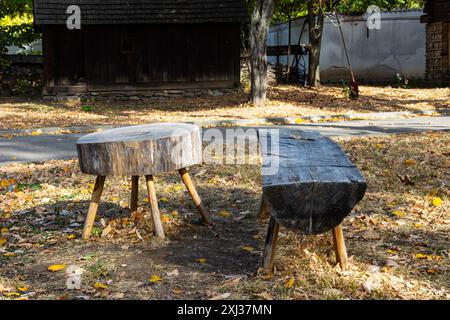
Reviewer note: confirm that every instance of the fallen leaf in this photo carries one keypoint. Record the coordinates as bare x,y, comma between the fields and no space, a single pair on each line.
154,279
409,162
437,201
177,291
106,231
174,273
201,260
164,200
290,283
22,289
56,267
2,241
225,213
221,296
100,286
370,235
399,213
9,254
248,248
71,236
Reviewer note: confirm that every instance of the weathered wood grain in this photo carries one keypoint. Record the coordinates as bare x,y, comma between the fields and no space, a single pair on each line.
339,247
316,185
270,246
93,207
134,193
194,195
140,150
153,200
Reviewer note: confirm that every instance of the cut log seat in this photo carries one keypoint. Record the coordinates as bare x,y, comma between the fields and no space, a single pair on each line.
314,188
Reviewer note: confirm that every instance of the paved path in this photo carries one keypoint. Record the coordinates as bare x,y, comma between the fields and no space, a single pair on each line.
42,148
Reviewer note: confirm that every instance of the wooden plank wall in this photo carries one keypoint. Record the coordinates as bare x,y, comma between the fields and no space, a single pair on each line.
147,55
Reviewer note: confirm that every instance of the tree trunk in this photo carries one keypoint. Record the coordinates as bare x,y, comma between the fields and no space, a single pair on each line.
288,76
261,18
315,26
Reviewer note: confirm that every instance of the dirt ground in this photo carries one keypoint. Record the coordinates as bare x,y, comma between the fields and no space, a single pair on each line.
397,237
284,101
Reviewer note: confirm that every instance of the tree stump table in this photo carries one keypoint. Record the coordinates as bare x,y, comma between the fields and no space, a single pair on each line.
137,151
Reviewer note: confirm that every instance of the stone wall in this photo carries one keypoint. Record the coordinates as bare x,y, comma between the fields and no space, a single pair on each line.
141,95
437,53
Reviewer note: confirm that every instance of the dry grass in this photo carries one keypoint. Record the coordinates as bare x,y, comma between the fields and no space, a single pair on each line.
284,101
397,238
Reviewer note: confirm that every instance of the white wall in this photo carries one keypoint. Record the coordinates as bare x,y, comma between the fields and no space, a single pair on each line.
399,46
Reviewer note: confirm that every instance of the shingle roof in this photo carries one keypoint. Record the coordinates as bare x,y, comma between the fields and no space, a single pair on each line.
141,11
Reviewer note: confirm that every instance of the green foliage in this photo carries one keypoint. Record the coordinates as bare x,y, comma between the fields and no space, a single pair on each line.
288,9
16,23
87,108
297,8
350,91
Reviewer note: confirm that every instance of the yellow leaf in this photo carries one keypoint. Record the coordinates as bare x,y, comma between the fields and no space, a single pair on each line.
12,294
145,200
423,256
392,251
9,254
71,236
201,260
100,286
4,183
4,230
36,133
154,279
165,218
225,213
290,283
114,199
164,200
248,248
22,289
2,241
400,214
299,120
178,187
437,201
379,145
56,267
409,162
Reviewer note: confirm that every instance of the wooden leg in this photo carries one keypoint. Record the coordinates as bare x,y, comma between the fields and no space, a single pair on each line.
93,206
134,193
339,247
157,224
263,209
193,192
269,248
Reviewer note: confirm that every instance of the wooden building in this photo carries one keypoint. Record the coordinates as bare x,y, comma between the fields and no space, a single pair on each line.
437,18
138,45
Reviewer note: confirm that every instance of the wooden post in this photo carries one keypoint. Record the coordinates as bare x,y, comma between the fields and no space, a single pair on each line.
270,245
158,228
339,247
93,206
134,193
263,209
195,197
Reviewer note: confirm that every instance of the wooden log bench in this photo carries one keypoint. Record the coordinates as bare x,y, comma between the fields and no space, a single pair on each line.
309,186
141,151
